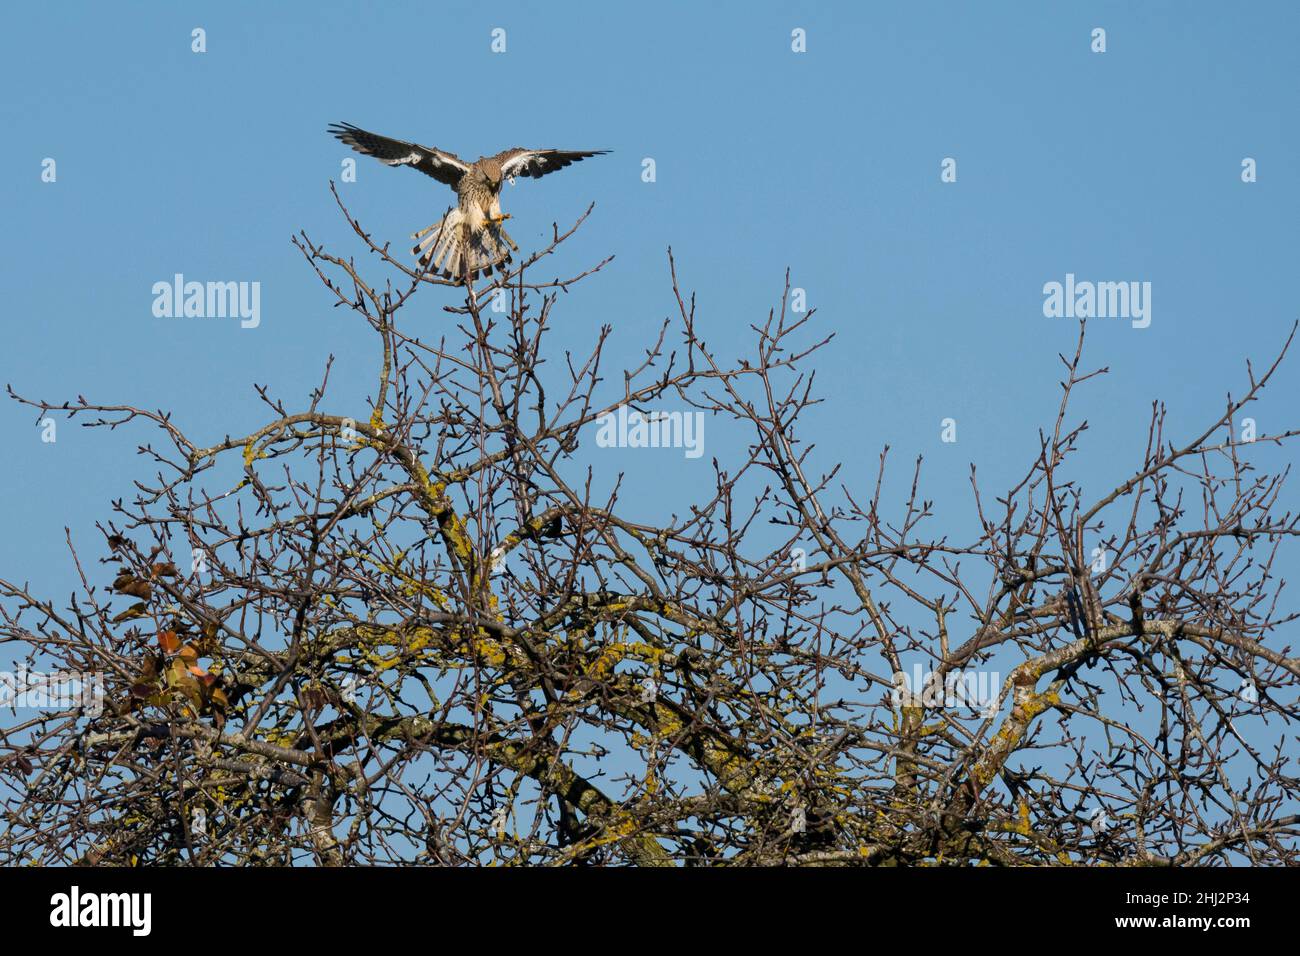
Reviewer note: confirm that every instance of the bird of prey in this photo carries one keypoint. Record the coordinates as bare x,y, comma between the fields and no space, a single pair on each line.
469,239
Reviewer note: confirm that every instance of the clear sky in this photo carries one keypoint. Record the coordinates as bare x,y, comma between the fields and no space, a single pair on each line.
1116,166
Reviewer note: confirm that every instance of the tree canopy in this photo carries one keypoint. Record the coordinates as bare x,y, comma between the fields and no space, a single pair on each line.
427,631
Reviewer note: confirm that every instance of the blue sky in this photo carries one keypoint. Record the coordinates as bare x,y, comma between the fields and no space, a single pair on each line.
1123,165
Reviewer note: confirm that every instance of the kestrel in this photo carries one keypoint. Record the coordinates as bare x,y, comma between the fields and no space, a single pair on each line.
469,239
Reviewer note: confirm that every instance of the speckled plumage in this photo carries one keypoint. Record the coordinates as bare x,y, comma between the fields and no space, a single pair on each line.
469,240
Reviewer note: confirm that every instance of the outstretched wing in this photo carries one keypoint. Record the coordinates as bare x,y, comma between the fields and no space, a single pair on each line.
441,165
539,162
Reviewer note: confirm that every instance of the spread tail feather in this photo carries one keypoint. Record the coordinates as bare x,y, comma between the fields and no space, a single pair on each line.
450,247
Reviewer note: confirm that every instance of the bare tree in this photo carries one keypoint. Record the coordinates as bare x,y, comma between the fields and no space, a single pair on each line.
424,632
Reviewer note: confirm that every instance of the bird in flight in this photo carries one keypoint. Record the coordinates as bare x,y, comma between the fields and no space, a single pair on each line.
469,239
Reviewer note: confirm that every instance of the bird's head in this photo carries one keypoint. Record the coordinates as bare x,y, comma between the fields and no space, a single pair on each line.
491,174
